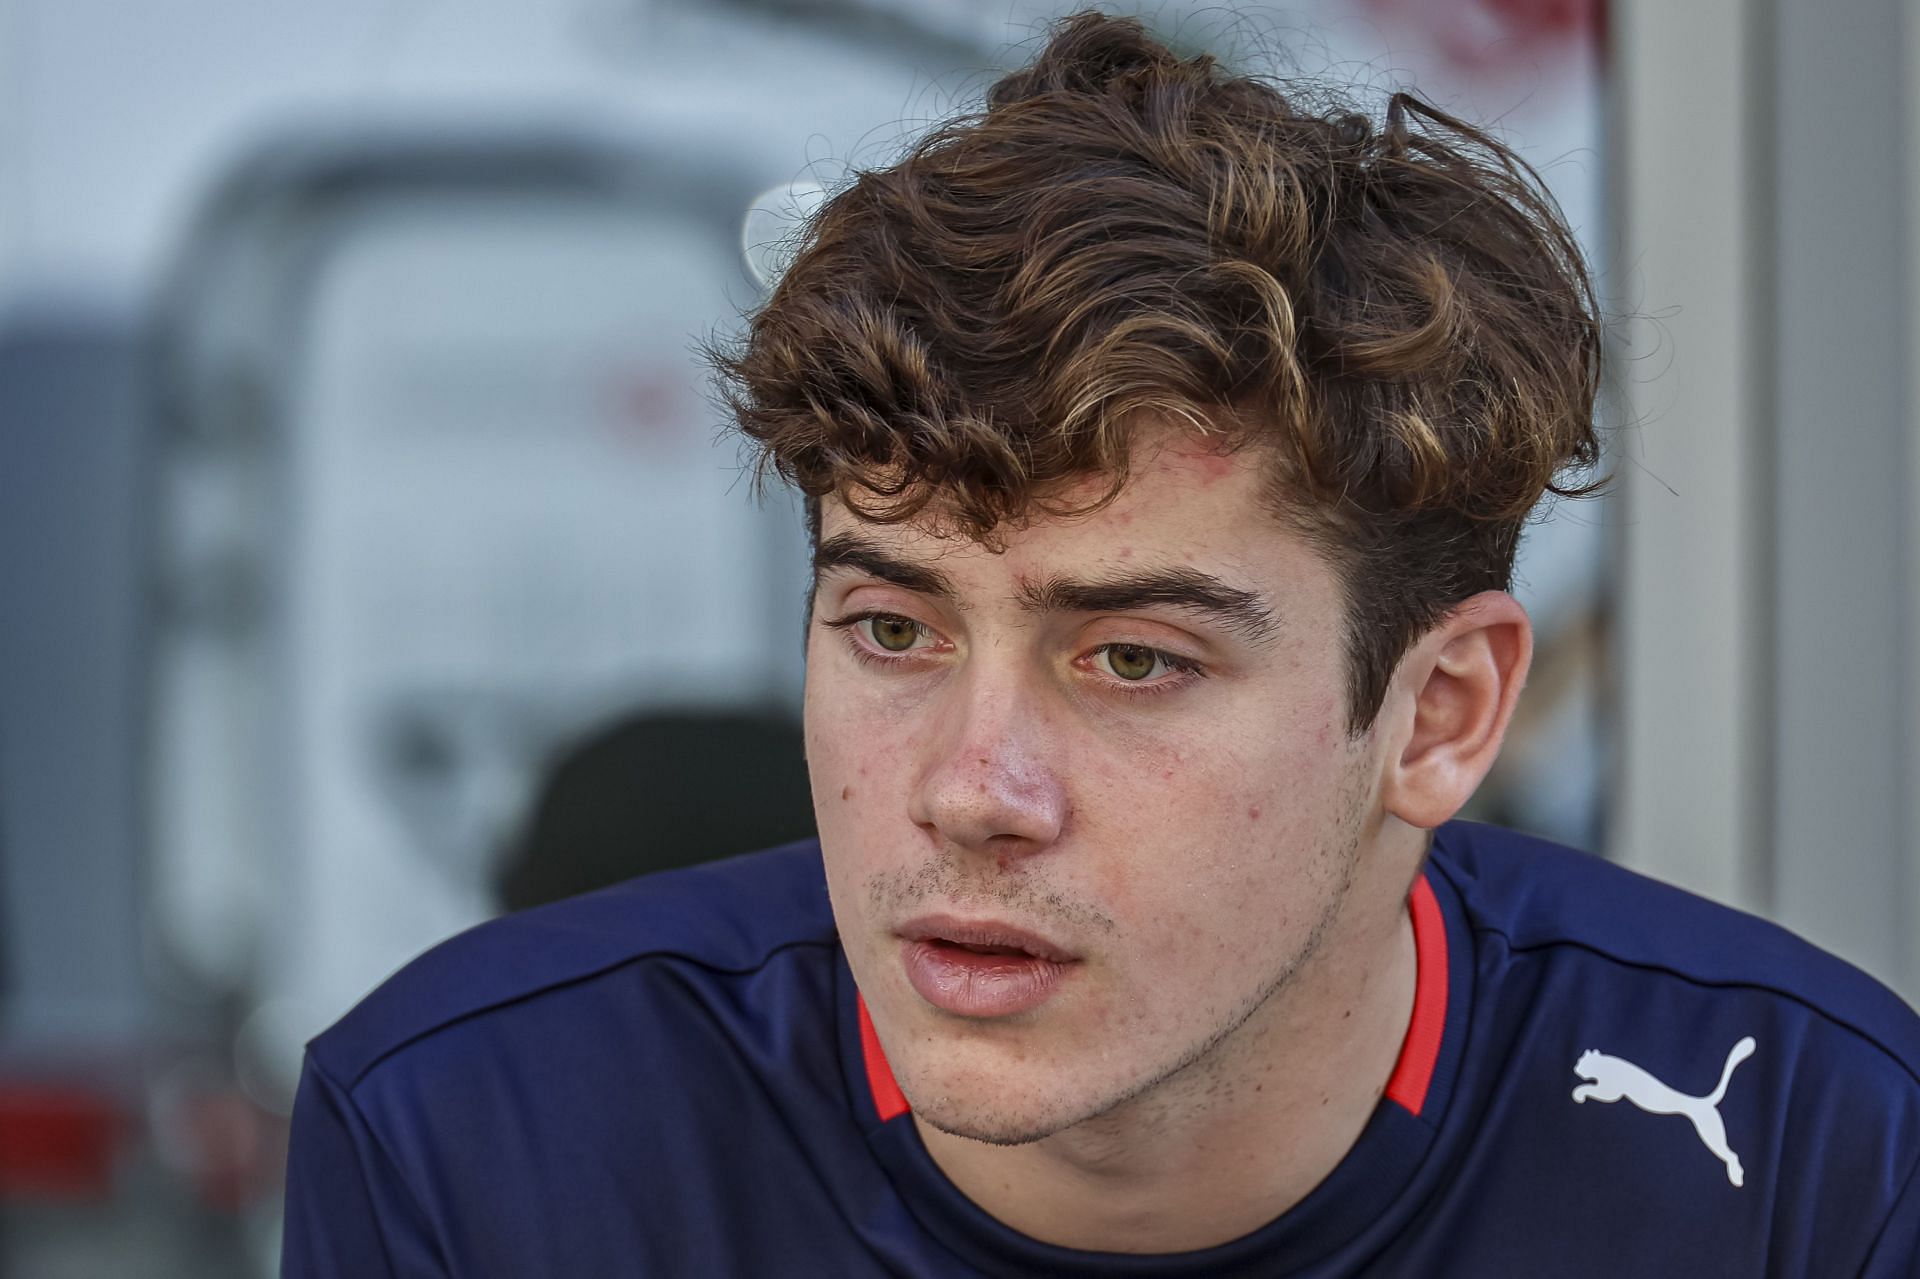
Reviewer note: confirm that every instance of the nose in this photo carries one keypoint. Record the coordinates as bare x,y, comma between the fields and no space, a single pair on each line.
991,780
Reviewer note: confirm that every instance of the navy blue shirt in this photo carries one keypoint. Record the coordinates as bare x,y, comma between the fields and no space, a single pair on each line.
1604,1076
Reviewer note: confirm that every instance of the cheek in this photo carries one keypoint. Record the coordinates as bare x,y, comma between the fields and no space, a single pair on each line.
858,767
841,768
1227,846
844,723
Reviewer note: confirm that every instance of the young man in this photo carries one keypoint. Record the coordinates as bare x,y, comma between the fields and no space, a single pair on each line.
1167,446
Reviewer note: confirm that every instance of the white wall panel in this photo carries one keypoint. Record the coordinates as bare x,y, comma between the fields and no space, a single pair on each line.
1689,767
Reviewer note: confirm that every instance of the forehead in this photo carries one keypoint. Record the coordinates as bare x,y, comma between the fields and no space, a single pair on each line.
1185,502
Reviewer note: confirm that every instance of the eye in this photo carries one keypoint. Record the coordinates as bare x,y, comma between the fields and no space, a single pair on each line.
894,634
885,638
1134,662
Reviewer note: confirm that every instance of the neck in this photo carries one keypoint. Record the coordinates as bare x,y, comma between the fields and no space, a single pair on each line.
1243,1133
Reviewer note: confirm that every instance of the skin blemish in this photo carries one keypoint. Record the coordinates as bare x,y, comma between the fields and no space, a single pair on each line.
1253,812
846,792
1168,775
1213,467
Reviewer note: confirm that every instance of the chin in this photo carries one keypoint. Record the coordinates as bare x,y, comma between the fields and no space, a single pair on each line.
988,1094
993,1104
999,1122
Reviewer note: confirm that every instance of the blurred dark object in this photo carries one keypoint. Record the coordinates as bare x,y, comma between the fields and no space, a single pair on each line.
72,489
657,791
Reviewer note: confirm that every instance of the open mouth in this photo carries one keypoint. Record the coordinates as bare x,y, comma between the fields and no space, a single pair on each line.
981,969
983,937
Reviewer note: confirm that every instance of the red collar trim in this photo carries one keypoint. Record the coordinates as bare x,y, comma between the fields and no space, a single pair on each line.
1412,1074
887,1097
1421,1048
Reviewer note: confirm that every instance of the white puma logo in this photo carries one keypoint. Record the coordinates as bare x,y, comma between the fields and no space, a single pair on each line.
1610,1079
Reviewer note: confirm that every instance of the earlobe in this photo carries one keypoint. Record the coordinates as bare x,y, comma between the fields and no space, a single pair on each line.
1456,688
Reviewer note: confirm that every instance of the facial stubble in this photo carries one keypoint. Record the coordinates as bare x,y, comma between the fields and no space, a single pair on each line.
1340,851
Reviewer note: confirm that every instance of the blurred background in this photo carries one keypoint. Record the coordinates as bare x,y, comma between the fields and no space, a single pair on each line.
371,560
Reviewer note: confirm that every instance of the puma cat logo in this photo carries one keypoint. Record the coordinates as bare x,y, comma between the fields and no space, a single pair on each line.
1611,1078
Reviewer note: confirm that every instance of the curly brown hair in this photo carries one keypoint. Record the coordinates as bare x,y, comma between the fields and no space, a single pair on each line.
1396,313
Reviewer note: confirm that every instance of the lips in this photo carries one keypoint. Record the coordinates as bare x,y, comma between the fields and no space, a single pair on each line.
981,968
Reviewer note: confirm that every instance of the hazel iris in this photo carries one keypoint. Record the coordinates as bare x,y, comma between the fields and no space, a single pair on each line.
1131,661
895,634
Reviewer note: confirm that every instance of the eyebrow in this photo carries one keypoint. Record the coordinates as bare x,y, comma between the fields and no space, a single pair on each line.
848,551
1243,612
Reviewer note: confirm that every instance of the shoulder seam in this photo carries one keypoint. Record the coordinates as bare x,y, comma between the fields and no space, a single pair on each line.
1805,1003
393,1165
578,978
1910,1185
1514,947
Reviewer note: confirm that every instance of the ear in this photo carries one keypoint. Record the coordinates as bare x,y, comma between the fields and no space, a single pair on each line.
1453,696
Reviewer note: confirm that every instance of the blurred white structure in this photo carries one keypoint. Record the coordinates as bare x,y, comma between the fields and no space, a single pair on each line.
441,491
1768,197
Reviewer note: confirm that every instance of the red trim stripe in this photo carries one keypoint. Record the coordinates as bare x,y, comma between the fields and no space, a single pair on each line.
887,1097
1414,1071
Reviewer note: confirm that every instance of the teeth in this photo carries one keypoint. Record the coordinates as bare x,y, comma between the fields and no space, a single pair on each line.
988,950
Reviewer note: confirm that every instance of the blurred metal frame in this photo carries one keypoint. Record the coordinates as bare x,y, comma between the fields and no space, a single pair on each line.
229,341
295,191
1911,123
1690,776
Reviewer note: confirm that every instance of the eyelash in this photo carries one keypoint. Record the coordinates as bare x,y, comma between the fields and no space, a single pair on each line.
1185,671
